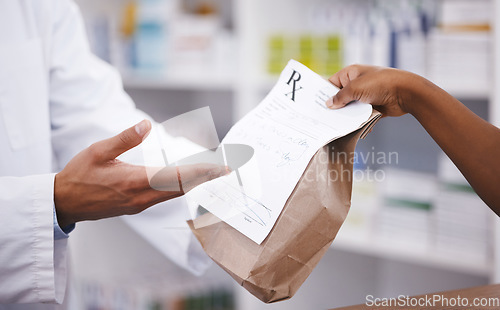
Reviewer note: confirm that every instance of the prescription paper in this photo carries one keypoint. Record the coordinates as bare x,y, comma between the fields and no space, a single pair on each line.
285,130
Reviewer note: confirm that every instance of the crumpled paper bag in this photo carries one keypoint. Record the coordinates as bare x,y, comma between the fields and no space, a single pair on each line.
305,229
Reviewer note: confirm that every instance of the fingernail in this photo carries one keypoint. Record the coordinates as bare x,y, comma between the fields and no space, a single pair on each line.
141,127
228,170
329,102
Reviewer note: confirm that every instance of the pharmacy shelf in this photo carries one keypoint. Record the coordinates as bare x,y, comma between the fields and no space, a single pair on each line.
479,93
462,92
193,82
203,82
467,91
495,120
387,249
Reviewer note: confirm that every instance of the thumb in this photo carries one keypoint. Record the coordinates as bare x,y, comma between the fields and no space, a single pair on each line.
342,98
113,147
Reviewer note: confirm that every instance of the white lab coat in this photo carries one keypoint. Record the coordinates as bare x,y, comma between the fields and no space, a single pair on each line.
56,98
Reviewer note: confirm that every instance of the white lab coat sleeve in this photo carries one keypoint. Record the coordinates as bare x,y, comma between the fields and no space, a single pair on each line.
88,104
33,266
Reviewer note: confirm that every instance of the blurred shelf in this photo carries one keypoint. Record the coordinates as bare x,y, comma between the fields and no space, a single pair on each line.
226,82
193,82
461,92
469,91
387,249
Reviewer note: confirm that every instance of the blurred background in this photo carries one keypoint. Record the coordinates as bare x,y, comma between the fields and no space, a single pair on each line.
415,225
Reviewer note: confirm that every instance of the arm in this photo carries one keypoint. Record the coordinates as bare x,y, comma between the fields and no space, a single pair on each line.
471,143
95,185
88,104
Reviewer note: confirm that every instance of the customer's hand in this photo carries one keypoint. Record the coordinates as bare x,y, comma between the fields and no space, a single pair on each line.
95,185
470,142
388,90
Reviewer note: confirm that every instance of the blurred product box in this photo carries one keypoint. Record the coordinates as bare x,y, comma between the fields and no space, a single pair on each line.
95,295
466,14
192,42
364,207
461,218
460,60
159,37
405,215
321,53
149,34
340,33
442,213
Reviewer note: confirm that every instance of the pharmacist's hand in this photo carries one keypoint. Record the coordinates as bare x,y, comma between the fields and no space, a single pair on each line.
387,89
96,185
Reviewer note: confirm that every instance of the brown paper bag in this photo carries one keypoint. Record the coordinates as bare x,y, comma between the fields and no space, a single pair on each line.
305,229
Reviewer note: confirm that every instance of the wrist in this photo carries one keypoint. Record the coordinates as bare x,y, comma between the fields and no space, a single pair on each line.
426,98
62,218
412,90
63,222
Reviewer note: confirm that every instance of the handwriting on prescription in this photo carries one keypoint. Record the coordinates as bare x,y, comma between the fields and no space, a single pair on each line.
252,209
274,140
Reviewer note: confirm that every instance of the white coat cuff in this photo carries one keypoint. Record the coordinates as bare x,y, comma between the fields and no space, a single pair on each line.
50,256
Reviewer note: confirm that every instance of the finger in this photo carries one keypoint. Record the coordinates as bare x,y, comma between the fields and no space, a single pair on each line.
342,98
335,79
184,178
164,179
194,175
343,77
111,148
340,79
354,71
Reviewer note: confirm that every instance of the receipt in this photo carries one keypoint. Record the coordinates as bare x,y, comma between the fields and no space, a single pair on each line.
285,131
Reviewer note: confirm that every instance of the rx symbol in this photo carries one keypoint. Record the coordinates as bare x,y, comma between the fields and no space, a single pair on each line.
294,78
